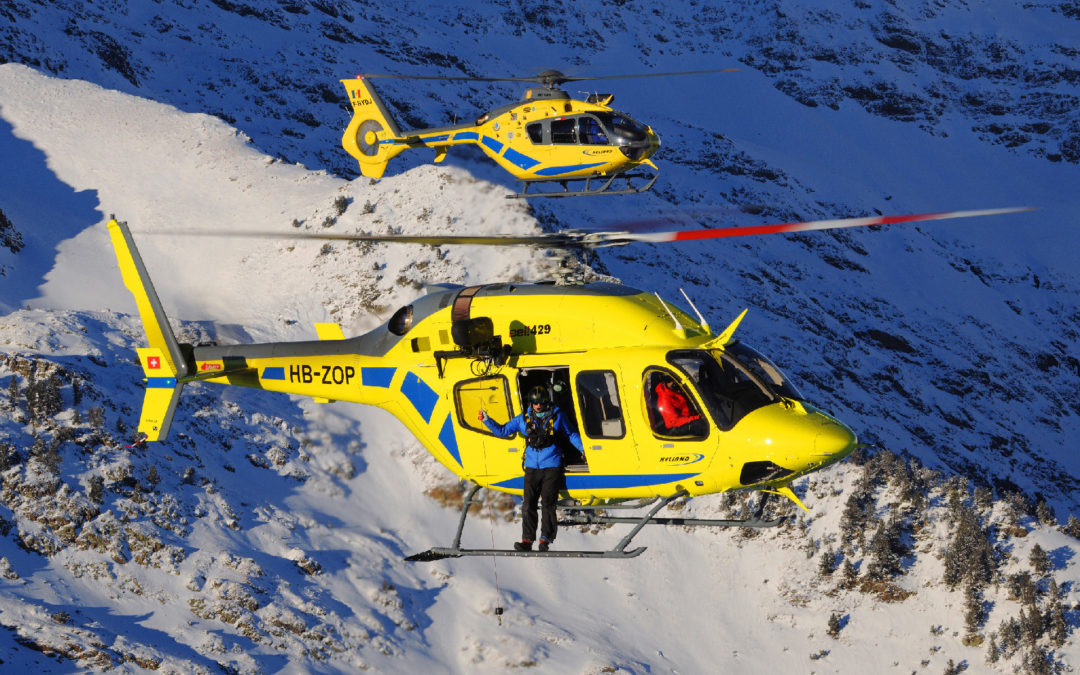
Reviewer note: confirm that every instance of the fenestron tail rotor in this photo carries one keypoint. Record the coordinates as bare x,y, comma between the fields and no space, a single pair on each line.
582,239
367,137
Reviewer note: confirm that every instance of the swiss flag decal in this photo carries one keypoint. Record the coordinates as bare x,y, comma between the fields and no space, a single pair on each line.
153,362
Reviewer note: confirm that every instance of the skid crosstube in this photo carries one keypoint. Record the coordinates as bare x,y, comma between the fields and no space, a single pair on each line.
587,516
438,553
605,187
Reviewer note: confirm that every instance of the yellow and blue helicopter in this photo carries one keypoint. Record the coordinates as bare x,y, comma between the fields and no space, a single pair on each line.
545,138
600,349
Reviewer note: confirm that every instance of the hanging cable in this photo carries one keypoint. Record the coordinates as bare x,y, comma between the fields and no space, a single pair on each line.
495,567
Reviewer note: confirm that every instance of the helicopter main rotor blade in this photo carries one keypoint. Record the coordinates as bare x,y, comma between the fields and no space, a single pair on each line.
553,240
593,239
450,78
571,78
550,77
614,239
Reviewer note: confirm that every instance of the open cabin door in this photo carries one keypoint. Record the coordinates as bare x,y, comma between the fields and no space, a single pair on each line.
493,395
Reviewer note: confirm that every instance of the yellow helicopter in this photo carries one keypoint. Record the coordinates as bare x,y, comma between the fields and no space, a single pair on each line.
545,138
601,350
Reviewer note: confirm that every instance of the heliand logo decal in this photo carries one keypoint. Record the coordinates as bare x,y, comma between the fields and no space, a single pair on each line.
681,460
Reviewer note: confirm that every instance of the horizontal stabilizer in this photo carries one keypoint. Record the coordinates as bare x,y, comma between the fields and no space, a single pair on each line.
159,404
329,331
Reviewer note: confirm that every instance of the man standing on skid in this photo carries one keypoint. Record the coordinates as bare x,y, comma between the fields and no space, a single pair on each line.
543,462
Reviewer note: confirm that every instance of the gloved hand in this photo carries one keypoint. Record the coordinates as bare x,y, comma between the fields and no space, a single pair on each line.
483,415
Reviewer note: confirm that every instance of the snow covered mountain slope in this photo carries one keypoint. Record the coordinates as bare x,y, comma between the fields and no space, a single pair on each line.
953,344
268,535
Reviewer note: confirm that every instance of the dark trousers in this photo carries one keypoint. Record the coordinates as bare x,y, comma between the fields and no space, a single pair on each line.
541,484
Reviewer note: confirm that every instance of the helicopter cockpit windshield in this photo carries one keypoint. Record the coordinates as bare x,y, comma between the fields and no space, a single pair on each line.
764,369
630,135
623,127
733,382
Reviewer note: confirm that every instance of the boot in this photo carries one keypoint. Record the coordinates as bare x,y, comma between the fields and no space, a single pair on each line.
523,545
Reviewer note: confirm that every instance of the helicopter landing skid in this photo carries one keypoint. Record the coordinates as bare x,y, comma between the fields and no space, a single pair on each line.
605,187
586,516
579,516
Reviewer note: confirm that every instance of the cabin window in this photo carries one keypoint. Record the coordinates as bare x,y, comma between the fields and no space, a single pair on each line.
536,132
590,132
671,411
564,131
598,402
488,393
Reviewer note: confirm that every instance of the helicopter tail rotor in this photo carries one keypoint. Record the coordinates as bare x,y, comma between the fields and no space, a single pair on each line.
372,136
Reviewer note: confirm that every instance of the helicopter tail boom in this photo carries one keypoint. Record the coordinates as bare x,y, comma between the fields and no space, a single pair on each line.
163,361
372,135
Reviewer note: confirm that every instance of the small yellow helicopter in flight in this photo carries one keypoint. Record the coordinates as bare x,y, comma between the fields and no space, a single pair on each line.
545,138
602,351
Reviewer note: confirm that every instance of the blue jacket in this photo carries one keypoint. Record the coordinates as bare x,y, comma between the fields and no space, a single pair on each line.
548,457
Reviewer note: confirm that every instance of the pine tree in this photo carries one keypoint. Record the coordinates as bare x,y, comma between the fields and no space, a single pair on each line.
52,401
849,572
1072,528
9,456
1040,562
1045,514
974,611
992,654
13,395
858,510
1031,625
51,458
1036,663
970,555
1021,587
1010,636
828,562
38,449
834,625
96,417
983,498
884,557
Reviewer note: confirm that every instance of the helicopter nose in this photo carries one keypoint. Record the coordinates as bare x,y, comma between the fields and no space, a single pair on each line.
834,441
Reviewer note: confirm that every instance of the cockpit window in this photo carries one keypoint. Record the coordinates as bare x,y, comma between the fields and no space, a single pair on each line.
727,387
763,369
624,128
672,412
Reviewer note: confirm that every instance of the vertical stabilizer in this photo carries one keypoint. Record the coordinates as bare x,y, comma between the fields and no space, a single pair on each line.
372,136
162,361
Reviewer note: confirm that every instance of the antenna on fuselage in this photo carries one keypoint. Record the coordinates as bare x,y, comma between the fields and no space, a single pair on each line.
701,319
678,326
